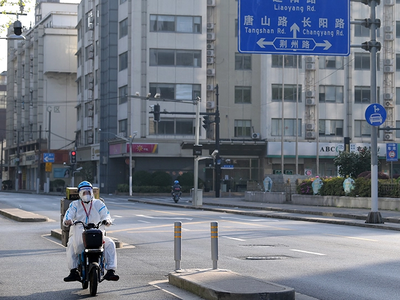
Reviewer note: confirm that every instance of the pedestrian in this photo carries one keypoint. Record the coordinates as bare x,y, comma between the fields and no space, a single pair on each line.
88,210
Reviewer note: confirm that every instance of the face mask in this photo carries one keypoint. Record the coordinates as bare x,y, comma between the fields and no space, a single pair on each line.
86,198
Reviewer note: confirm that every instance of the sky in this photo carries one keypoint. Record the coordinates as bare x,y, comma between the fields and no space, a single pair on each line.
25,20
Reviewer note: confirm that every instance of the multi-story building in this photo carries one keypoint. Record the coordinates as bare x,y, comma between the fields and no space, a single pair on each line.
41,97
129,52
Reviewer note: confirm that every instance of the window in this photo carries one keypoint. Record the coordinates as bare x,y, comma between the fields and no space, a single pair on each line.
123,61
398,98
290,92
172,126
180,58
122,1
242,94
289,129
362,61
123,94
397,62
331,93
331,62
291,61
242,128
397,131
89,21
89,52
330,127
362,94
176,91
88,137
123,28
242,61
122,127
360,30
362,128
170,23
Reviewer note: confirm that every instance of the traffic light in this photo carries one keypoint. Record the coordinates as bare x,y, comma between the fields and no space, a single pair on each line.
72,157
156,112
206,122
17,28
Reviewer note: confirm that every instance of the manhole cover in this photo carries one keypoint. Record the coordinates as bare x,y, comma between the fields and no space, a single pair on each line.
271,257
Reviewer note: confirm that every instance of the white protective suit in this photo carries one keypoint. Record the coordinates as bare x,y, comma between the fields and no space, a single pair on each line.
95,212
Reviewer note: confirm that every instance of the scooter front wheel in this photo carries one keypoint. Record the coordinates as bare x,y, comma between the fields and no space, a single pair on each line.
93,279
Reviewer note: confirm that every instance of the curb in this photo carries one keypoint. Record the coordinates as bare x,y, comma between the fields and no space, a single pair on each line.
214,284
22,215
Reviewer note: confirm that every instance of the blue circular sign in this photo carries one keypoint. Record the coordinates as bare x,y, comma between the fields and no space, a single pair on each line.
375,114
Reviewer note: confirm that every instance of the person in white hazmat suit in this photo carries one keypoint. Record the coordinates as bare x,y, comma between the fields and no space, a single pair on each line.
88,210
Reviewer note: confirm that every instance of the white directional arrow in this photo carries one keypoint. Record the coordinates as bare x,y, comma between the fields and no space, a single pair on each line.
261,42
295,29
325,44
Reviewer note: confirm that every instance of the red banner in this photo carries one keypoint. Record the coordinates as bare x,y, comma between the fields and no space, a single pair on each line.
143,148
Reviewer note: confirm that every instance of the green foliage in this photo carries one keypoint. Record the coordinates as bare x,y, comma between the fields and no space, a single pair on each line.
187,180
160,178
332,187
305,187
141,178
353,163
123,188
362,187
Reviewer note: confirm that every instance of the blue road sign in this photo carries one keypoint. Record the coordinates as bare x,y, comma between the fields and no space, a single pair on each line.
375,114
391,152
48,157
297,27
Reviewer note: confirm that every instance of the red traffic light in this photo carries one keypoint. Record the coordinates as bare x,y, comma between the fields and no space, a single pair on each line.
73,153
72,157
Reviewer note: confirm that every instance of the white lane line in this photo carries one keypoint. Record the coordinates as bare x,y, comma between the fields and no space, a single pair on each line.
247,220
117,216
164,218
231,238
308,252
141,221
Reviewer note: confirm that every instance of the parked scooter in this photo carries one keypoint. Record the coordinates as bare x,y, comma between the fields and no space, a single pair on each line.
91,260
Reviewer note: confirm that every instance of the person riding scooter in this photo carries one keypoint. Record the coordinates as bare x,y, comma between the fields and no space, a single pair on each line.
88,210
176,188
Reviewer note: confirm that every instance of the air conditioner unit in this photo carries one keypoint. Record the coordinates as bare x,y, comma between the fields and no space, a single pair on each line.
388,137
90,134
90,113
90,54
310,101
389,37
310,126
90,140
255,136
210,87
90,106
310,66
310,59
210,52
310,94
388,69
389,2
210,25
388,62
210,46
210,60
210,104
310,135
388,103
90,26
210,72
210,36
210,2
388,29
387,96
91,86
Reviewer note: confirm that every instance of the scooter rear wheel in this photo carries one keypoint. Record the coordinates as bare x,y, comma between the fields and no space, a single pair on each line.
93,279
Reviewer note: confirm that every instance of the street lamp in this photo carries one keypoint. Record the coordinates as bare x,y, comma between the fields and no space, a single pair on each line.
130,140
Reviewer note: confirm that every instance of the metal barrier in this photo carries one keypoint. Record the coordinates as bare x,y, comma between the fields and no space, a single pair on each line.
178,244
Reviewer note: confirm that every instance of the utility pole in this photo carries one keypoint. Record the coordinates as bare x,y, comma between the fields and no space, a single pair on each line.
218,158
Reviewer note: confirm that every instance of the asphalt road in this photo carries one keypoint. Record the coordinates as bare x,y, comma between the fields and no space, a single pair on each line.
325,261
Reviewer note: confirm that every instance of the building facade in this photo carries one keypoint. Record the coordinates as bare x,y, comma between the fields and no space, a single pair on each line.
41,98
130,52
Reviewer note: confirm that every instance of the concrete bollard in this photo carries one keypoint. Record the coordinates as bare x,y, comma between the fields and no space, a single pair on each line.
177,244
214,244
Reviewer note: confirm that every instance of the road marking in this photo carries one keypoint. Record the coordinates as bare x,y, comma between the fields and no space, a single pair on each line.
164,218
141,221
117,216
308,252
354,238
231,238
256,220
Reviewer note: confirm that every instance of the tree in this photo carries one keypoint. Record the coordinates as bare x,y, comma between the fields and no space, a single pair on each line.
353,163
